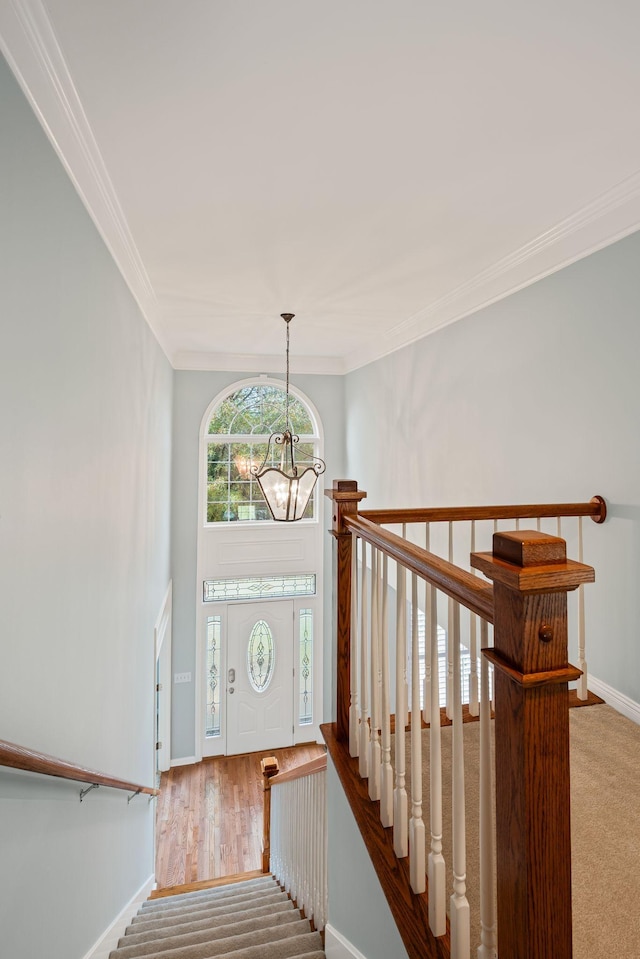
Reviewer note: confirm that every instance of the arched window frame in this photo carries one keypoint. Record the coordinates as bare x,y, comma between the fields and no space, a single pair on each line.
316,439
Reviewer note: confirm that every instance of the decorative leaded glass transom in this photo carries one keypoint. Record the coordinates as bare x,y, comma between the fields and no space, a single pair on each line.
259,587
260,656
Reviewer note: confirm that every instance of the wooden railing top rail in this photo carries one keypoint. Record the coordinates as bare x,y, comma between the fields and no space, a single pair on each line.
19,757
457,583
317,765
596,508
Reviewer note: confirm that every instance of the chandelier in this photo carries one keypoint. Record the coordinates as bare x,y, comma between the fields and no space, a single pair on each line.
287,488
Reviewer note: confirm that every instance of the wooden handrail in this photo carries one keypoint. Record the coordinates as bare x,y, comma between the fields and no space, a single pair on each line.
19,757
461,585
317,765
596,508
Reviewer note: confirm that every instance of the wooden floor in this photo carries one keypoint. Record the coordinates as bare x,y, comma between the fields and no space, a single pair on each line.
209,816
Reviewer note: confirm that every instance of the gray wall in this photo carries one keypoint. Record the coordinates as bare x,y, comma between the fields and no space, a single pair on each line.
534,399
358,908
85,444
193,392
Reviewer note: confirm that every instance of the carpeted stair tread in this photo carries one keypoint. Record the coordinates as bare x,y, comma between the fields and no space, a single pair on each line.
256,921
285,907
214,893
260,935
198,911
210,902
129,949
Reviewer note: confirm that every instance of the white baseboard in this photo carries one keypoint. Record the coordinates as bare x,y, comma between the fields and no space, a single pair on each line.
185,761
337,947
109,938
628,707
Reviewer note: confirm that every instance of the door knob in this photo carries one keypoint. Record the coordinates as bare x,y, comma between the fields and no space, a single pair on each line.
230,689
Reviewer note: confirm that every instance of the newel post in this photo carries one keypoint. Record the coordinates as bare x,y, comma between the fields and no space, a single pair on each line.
531,577
270,768
345,496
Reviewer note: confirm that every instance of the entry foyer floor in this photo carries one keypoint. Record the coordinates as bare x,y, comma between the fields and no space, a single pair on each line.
209,815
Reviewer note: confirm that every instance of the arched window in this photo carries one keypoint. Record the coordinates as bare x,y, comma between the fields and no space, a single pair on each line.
237,440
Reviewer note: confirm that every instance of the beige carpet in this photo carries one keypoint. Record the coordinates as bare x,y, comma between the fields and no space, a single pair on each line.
605,809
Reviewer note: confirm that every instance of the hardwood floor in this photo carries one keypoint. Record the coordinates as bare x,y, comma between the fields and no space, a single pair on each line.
209,815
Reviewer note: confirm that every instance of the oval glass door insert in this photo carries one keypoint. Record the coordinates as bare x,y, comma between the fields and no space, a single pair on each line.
260,656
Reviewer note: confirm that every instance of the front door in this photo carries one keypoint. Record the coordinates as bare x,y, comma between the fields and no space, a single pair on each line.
260,685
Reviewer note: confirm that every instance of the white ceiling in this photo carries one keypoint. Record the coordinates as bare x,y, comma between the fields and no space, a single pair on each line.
377,168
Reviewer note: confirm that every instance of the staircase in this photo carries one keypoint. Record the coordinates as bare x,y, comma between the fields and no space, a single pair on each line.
253,919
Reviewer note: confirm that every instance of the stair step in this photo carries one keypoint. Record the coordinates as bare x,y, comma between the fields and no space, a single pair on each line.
249,919
199,910
214,893
285,907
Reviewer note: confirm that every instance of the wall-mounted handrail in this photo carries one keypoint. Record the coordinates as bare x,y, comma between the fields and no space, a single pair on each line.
596,508
461,585
19,757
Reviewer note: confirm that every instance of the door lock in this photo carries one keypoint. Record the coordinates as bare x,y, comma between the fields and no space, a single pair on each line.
231,676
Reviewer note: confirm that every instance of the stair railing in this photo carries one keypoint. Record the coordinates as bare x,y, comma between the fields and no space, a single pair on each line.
296,837
527,606
29,760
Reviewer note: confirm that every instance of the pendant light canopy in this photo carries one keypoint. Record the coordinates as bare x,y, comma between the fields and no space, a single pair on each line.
287,489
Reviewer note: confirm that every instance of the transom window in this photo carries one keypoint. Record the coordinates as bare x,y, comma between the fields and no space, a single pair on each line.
237,441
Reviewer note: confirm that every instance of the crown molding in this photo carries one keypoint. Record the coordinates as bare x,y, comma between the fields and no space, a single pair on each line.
254,363
30,46
611,216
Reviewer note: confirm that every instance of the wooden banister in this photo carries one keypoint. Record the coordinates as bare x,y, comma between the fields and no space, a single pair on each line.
527,604
596,508
317,765
463,587
19,757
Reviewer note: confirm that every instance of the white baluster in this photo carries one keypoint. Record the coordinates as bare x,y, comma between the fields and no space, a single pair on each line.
386,774
354,708
582,662
458,903
375,752
363,752
488,929
416,825
426,685
437,871
559,533
538,524
517,522
473,644
450,640
401,630
400,806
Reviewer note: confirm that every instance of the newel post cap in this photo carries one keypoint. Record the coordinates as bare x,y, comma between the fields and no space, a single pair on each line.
529,561
345,496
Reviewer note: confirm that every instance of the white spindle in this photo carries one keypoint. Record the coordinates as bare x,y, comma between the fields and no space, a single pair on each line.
386,775
299,842
437,870
538,524
400,806
416,825
363,752
559,526
354,708
450,639
488,929
582,662
458,904
375,752
473,644
426,685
